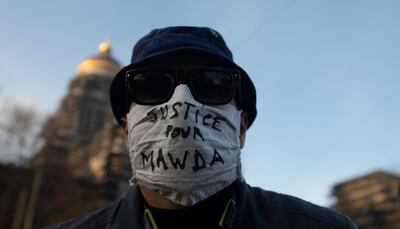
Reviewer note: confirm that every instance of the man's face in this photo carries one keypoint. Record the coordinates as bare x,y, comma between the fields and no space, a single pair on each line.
184,129
186,61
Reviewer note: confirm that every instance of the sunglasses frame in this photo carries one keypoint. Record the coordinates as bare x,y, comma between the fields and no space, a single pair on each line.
183,76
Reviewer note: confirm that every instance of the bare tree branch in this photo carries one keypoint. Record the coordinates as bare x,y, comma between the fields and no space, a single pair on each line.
20,131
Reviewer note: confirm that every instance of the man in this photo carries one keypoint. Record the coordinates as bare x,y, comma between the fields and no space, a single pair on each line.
185,107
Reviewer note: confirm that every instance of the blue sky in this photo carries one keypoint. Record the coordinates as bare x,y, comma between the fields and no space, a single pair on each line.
326,73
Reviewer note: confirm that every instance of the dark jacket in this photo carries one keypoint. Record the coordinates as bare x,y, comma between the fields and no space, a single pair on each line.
254,208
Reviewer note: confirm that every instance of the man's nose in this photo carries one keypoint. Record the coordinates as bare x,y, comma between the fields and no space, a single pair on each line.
182,92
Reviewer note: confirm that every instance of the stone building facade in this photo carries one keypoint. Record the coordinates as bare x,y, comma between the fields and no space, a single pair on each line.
84,162
82,117
372,201
85,107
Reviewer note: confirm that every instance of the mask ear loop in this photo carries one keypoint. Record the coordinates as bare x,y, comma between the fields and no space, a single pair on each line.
239,166
238,91
128,102
238,97
128,93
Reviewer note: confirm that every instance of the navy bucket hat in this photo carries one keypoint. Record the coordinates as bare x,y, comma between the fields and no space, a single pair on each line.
173,41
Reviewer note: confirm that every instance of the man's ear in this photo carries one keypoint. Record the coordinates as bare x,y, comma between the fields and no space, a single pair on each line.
125,126
244,123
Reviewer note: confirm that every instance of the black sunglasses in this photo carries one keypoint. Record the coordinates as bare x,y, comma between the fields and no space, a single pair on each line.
209,86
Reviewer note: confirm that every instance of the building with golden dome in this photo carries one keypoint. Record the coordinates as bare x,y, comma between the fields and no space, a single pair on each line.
70,134
82,137
85,108
83,163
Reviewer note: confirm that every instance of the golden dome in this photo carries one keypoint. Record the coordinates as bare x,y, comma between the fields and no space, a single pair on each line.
101,64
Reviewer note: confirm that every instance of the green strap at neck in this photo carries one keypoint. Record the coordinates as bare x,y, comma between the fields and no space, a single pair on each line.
225,222
150,218
228,215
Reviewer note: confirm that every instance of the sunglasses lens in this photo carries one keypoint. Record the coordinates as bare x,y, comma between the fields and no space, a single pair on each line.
212,87
152,87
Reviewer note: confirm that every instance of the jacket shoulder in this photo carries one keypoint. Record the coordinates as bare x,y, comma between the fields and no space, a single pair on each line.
294,211
98,219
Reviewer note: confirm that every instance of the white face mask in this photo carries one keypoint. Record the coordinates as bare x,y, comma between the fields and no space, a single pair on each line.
182,149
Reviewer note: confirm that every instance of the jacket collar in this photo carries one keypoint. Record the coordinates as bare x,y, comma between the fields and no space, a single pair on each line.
131,212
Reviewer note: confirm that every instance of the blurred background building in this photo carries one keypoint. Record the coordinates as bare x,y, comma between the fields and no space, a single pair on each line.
83,163
372,201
